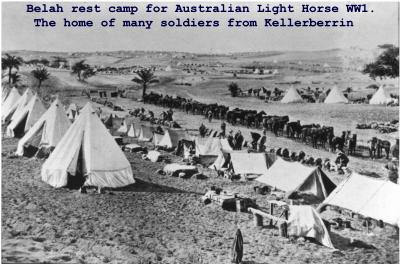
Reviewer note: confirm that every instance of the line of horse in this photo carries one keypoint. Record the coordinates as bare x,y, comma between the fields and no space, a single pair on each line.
314,134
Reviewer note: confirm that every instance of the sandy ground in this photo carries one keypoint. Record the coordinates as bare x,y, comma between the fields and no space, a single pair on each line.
157,220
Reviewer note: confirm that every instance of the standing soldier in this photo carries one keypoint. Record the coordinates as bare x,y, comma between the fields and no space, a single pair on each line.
223,129
209,116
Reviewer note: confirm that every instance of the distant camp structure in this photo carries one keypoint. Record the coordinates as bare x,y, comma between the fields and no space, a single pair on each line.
381,97
335,96
292,96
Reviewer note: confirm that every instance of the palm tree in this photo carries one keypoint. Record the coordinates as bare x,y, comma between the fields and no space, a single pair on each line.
9,62
82,70
15,78
145,77
41,74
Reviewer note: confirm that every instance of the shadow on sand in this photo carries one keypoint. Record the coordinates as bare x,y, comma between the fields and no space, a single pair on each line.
144,186
343,243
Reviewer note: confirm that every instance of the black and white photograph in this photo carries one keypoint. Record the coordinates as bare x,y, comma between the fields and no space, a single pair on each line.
200,132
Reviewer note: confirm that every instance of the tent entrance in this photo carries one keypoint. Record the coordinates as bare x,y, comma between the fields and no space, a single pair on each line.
31,147
19,130
78,178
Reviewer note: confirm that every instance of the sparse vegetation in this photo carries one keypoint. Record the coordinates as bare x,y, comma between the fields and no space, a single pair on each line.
41,74
82,70
10,62
145,77
386,65
234,89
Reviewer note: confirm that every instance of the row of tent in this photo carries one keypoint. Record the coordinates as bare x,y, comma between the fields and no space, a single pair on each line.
381,97
85,153
376,199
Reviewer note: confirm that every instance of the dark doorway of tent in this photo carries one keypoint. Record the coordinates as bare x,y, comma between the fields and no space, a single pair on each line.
19,130
76,171
32,146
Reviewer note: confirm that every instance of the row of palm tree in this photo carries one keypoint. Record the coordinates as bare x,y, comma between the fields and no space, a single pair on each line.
145,77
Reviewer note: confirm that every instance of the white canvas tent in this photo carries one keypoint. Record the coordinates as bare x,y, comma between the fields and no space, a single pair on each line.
157,137
374,198
123,129
4,93
12,98
24,119
292,96
248,163
87,155
335,96
17,106
132,132
171,138
48,130
209,146
381,97
293,176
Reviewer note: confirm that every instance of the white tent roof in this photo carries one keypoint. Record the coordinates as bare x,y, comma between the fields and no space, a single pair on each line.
12,98
291,96
51,127
381,97
249,163
28,115
88,143
132,132
157,138
335,96
17,106
208,146
293,176
374,198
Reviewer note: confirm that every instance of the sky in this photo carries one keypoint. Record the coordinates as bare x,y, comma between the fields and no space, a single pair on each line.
370,29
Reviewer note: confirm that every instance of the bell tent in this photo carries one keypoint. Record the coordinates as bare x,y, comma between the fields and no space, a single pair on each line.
24,119
12,98
291,177
335,96
87,155
47,131
381,97
292,96
17,106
